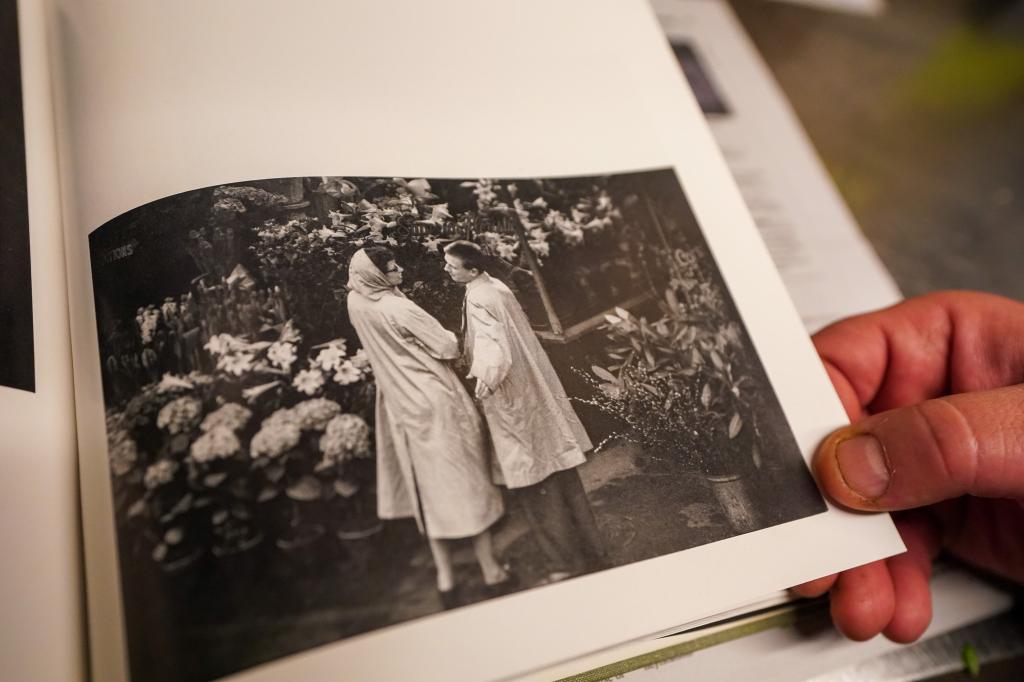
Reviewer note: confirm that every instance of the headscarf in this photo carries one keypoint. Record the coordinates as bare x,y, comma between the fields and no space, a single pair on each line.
367,279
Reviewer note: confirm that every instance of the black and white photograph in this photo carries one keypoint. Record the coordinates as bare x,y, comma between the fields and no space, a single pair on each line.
700,81
337,404
17,353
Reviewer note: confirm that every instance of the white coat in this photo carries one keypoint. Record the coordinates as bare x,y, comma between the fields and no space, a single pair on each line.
534,430
431,450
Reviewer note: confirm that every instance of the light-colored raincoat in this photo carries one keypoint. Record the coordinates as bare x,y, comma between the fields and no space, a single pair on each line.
431,450
534,430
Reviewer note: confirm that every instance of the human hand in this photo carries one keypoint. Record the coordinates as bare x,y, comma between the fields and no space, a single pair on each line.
933,388
482,390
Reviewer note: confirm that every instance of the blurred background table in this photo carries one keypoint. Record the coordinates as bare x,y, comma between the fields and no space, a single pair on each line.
919,116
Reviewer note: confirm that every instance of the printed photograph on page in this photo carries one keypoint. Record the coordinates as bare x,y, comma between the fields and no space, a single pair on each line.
17,352
336,404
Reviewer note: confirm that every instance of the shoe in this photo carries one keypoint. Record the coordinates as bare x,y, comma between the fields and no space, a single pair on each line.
503,587
449,598
556,577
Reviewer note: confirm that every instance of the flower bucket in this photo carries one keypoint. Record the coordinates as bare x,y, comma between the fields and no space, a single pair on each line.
732,493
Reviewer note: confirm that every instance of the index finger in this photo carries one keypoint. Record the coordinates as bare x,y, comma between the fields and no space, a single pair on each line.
934,345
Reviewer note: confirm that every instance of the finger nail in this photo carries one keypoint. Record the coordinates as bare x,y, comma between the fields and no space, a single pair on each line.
862,465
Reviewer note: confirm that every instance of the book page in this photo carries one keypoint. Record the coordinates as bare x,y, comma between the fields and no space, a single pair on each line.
829,268
41,591
17,362
787,644
447,331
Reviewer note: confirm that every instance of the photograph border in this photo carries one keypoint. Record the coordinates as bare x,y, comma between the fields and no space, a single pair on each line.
519,609
647,193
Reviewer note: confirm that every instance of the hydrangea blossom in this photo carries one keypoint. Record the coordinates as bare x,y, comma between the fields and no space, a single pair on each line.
275,440
217,443
123,453
180,415
283,416
231,416
347,436
159,473
314,413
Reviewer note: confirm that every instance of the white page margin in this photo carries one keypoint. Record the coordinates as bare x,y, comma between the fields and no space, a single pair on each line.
130,142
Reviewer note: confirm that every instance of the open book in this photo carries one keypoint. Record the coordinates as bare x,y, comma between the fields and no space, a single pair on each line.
395,341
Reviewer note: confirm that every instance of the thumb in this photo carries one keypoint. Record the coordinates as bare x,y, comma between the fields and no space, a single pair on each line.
966,444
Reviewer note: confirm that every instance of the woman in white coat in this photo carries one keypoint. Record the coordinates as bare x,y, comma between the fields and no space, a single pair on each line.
431,450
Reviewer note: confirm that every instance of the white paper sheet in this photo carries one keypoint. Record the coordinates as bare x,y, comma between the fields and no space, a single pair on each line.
787,654
160,97
829,268
41,575
830,271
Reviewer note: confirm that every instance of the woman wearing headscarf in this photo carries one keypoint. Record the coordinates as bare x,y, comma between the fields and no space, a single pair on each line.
431,450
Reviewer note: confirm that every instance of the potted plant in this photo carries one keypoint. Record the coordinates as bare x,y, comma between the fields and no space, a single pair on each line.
682,384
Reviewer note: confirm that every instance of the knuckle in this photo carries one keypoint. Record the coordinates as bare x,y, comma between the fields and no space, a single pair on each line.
953,440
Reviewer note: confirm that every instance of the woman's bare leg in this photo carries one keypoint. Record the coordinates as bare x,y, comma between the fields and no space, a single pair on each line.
489,566
443,563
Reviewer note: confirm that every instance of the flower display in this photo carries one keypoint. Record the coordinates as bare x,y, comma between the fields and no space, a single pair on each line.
282,417
147,324
123,453
229,205
360,360
337,187
219,344
330,358
314,413
170,383
198,379
308,381
346,436
252,393
231,416
180,415
282,354
539,242
217,443
160,473
251,195
274,440
284,408
236,363
348,373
